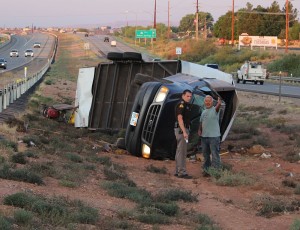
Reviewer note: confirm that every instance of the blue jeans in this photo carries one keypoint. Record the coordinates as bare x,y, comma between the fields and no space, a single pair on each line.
211,146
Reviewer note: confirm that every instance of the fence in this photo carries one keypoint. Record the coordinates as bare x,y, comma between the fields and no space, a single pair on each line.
12,91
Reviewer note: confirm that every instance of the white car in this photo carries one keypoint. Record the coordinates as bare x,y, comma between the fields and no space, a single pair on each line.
113,43
14,53
29,53
37,45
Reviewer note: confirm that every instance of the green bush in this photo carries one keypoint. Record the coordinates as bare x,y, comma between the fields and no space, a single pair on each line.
73,157
5,224
20,175
23,217
295,225
176,195
18,158
157,170
9,144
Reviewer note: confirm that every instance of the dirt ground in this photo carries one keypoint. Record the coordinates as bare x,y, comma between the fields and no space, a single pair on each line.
232,208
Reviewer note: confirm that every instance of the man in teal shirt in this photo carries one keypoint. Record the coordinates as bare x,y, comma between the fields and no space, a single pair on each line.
209,130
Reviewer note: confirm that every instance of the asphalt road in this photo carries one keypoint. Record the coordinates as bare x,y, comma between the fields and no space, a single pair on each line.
96,44
270,88
21,43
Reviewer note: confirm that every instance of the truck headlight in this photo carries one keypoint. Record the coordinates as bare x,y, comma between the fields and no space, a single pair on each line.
162,94
146,151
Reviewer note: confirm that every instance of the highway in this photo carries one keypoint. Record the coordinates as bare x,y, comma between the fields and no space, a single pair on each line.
97,45
270,88
33,64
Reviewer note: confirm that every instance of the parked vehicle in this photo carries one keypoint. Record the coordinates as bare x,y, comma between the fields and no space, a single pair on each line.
29,53
106,39
3,63
140,97
14,53
253,72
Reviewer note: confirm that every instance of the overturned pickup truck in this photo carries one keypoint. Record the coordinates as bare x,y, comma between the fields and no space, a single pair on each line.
129,93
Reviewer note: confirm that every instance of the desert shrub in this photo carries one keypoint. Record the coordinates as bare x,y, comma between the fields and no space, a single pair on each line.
9,144
48,82
292,156
5,224
20,175
176,195
228,178
289,183
23,217
268,205
153,218
122,190
102,160
244,126
58,211
73,157
19,158
44,169
169,209
262,140
297,189
157,170
67,183
288,63
283,111
295,225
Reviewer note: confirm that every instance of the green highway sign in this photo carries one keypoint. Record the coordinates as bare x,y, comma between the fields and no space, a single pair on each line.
145,33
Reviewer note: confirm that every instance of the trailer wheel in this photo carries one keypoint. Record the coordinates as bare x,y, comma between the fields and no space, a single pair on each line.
255,82
140,79
115,56
132,56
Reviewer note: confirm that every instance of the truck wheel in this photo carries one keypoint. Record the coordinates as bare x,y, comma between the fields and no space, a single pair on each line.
255,82
132,56
244,81
115,56
261,82
238,80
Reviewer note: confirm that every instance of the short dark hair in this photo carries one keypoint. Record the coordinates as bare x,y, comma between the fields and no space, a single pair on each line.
186,91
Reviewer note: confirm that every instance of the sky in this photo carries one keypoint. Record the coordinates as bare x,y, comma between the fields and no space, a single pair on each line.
115,13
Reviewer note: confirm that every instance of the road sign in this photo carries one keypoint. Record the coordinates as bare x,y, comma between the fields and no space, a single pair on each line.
178,50
145,33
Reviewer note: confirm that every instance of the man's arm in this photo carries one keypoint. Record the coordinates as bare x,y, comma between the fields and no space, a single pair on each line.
200,129
181,125
218,105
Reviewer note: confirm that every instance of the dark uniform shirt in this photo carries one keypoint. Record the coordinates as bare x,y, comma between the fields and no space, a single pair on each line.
184,109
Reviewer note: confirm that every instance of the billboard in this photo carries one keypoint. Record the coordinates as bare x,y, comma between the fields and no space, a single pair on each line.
264,41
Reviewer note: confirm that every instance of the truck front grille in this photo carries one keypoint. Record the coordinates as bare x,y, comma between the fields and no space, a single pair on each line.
151,123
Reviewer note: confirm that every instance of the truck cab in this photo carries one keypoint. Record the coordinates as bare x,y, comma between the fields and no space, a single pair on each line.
252,72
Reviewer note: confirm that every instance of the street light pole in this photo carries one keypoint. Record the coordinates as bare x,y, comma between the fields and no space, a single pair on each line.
232,24
197,21
168,19
286,25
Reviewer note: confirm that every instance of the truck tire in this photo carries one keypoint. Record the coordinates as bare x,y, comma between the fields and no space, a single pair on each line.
261,82
238,80
115,56
244,81
140,79
133,56
255,82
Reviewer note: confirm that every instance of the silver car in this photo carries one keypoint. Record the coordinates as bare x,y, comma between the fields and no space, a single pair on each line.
29,53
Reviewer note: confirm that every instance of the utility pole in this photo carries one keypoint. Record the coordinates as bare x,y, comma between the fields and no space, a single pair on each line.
197,21
232,24
154,21
286,25
205,29
168,19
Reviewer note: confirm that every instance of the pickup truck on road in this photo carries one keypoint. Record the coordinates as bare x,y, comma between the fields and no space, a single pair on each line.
252,71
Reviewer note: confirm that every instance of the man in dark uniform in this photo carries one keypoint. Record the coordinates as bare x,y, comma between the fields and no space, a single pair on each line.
181,129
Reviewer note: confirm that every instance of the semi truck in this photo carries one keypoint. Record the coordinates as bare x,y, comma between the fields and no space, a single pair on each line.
140,96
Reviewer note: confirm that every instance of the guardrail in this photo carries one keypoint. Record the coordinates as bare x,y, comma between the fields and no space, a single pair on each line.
12,91
289,79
